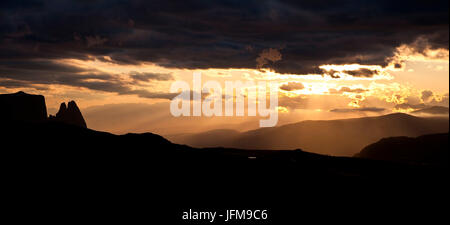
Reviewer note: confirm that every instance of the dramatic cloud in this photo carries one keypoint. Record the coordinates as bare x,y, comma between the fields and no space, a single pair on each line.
438,105
292,86
366,109
223,34
441,100
268,56
347,90
420,49
96,40
362,72
34,74
146,77
426,95
147,94
432,103
7,83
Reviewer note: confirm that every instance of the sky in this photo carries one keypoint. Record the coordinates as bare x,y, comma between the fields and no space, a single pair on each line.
330,59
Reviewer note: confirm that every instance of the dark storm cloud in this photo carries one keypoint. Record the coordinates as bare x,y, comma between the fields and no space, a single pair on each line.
366,109
220,34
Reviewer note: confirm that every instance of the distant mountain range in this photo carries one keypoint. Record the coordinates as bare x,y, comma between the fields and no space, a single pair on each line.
344,137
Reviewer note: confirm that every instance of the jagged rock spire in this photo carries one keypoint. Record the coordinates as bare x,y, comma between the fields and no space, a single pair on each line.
70,114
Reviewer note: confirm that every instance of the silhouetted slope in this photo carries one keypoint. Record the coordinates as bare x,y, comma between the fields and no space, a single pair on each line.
64,171
206,139
334,137
431,149
22,107
45,142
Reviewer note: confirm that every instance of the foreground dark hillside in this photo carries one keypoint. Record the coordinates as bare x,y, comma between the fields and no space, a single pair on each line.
426,149
58,171
81,172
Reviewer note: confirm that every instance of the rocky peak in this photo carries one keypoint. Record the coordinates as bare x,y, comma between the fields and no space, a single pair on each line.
62,109
69,114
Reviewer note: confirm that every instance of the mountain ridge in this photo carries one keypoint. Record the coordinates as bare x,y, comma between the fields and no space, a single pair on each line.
333,137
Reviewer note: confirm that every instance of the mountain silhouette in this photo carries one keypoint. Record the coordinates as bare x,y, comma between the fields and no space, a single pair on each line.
21,106
80,171
344,137
74,144
430,149
70,114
